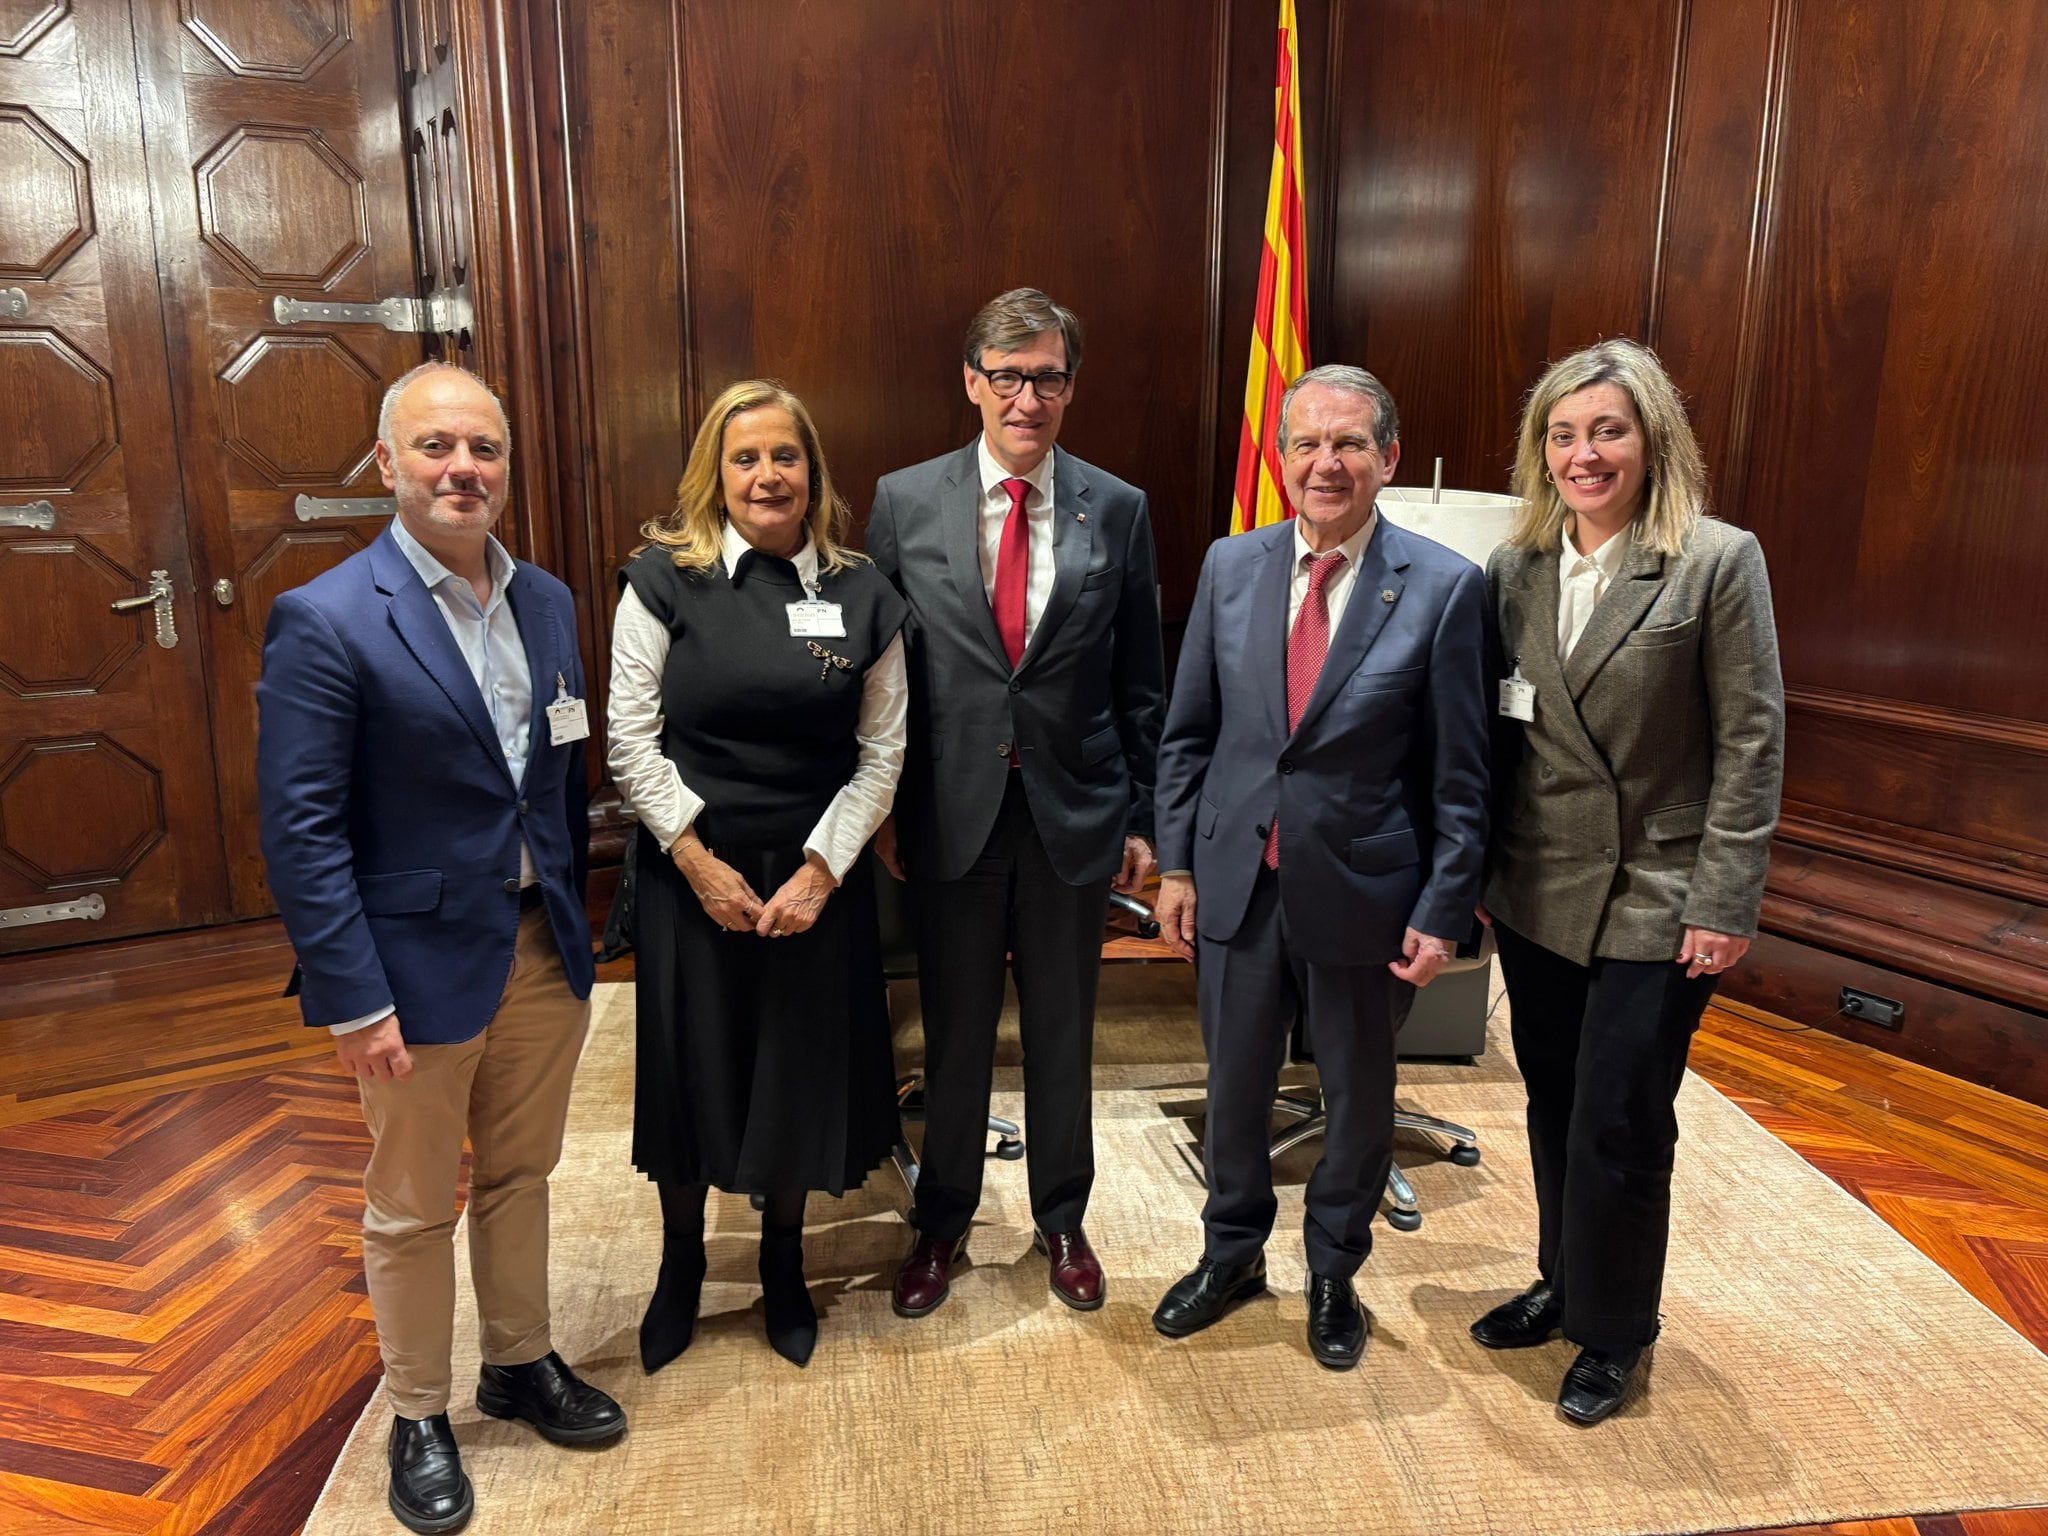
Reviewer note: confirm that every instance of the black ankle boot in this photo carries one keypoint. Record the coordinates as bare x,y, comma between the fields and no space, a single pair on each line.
792,1320
671,1319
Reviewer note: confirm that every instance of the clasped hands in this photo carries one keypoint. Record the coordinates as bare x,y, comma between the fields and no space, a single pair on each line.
733,904
1422,955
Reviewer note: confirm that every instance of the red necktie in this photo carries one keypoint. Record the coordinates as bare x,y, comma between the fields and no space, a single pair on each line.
1013,569
1307,644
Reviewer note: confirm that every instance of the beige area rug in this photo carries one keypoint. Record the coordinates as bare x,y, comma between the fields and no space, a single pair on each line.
1813,1367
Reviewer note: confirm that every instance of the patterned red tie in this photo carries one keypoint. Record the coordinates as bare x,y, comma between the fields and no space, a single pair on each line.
1013,568
1307,644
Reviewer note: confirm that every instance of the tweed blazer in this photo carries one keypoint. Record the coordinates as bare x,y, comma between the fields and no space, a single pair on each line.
1641,799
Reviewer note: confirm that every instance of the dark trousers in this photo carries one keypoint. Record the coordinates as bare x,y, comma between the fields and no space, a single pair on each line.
1011,902
1250,991
1602,1050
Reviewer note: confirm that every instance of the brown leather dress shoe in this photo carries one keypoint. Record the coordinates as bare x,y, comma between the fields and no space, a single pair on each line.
1076,1272
926,1276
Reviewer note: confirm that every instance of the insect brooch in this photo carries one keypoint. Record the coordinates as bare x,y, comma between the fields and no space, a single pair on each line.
829,659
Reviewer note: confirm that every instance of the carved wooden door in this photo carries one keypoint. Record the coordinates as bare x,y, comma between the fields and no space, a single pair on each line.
278,166
107,802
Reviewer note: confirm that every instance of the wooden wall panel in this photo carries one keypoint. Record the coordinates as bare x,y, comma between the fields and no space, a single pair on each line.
1500,172
843,225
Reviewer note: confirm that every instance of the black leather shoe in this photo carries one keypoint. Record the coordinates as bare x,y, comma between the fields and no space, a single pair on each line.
1205,1293
671,1320
1336,1322
550,1397
429,1490
1522,1321
792,1320
1597,1384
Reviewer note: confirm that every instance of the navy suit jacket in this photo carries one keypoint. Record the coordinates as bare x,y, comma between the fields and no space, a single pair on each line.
391,825
1381,790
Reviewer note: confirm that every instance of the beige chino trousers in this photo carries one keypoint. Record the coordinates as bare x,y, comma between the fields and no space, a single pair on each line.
508,1090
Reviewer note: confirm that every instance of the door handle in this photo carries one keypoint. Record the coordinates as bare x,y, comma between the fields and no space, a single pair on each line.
159,596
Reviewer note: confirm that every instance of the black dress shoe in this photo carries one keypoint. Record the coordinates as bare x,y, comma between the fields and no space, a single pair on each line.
1522,1321
1336,1322
671,1320
1205,1293
429,1490
550,1397
792,1320
1597,1384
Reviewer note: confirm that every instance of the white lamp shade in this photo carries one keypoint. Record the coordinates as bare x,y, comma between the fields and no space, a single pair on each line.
1471,522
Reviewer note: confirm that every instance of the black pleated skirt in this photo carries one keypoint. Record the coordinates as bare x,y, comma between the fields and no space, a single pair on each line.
762,1064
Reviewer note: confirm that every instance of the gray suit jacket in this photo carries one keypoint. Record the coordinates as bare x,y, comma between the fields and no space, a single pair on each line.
1380,790
1082,708
1641,799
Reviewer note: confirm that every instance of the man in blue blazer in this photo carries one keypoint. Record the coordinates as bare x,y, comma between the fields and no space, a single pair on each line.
420,766
1322,786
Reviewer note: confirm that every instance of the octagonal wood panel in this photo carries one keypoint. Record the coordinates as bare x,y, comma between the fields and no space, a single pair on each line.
301,409
290,560
276,40
282,206
62,409
24,23
77,643
78,811
49,196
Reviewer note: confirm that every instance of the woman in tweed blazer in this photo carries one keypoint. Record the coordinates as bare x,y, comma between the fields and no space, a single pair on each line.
1641,733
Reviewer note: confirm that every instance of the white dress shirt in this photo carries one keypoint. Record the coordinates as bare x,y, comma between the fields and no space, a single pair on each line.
995,511
1337,590
487,634
666,806
1582,580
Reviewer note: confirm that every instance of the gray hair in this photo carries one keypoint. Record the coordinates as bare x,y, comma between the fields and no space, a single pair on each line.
400,384
1009,321
1352,380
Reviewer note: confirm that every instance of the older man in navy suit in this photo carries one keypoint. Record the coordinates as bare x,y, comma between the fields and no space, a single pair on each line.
421,771
1322,785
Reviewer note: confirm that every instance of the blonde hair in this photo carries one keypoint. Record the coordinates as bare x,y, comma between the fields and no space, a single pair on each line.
693,530
1674,473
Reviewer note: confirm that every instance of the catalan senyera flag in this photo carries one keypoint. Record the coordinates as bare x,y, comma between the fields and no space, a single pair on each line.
1280,322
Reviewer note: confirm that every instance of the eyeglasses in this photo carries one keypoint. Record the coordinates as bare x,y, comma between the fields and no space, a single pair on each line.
1047,383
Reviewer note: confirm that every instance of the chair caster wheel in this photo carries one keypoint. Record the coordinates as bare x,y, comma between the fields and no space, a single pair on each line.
1404,1221
1465,1157
1009,1149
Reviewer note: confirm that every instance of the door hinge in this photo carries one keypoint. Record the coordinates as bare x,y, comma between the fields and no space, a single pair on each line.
86,908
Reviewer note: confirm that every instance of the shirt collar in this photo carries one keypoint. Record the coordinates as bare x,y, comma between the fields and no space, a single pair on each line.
733,544
1608,559
993,474
1351,548
497,560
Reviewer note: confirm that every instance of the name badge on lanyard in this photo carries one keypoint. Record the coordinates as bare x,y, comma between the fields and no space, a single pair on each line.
1518,695
816,618
568,719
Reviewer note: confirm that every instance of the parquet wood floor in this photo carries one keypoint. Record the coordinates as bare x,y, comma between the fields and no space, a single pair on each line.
184,1338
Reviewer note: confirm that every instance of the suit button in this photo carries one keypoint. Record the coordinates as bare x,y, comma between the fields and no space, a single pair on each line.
1002,749
512,885
1287,765
522,807
1545,774
1015,686
1264,830
1607,853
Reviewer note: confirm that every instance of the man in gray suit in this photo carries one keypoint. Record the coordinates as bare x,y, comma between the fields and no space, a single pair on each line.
1322,785
1036,689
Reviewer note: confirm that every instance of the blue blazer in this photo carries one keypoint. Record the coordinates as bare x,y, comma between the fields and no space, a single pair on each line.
1381,791
391,826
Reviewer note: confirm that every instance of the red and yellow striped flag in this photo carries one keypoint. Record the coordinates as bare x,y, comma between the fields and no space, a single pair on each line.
1280,322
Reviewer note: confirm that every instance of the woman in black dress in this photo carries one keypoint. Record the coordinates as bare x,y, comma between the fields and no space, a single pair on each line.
757,724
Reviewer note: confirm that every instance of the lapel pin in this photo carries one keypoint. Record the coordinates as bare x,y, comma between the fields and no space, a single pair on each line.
1386,594
1080,517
